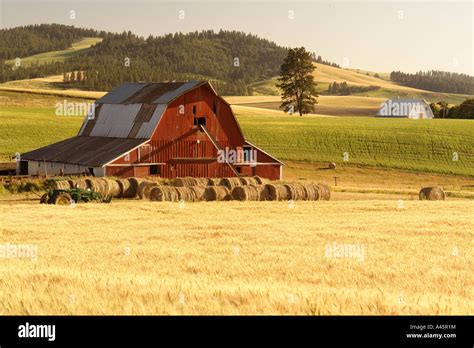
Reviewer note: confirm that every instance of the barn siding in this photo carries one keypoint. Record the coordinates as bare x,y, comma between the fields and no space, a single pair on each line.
185,150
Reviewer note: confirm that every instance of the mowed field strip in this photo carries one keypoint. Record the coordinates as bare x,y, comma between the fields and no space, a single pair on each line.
134,257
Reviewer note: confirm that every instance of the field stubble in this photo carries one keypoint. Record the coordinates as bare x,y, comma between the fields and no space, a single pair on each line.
135,257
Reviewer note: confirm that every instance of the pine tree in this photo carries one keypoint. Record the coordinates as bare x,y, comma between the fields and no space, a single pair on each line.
297,82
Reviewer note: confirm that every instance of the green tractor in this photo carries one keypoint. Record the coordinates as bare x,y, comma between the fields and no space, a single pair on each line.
73,195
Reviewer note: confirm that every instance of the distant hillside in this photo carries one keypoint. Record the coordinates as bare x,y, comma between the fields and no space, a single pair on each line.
436,81
78,47
33,39
232,60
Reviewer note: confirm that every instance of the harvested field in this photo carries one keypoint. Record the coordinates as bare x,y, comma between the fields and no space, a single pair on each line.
264,258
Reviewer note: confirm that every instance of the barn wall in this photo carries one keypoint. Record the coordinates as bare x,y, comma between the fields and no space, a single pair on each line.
53,168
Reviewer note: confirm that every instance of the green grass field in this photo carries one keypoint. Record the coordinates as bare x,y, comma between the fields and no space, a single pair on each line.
421,145
58,56
28,121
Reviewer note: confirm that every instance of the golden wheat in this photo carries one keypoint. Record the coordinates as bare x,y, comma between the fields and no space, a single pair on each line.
139,257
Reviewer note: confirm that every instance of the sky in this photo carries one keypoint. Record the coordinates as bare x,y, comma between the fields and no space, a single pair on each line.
379,36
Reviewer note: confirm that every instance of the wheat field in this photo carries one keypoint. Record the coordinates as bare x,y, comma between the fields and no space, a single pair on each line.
137,257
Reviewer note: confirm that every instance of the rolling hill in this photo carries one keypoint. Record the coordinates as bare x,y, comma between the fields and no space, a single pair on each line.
78,47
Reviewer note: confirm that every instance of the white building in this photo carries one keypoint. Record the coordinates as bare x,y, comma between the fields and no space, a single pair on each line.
405,108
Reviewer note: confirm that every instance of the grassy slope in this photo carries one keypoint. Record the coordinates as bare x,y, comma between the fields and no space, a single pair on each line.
58,56
325,75
238,258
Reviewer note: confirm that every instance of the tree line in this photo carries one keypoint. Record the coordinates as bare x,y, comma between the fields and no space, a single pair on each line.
343,88
443,110
436,81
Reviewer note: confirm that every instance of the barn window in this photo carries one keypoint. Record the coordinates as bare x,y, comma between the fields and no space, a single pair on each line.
194,110
238,169
155,170
51,164
199,121
214,108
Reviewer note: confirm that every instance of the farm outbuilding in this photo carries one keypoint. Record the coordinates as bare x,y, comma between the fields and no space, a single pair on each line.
168,129
405,108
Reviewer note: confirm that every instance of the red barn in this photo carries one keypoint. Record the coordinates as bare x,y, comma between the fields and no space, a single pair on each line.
170,129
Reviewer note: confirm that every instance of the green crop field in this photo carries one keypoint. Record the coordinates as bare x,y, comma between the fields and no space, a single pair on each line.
422,145
28,121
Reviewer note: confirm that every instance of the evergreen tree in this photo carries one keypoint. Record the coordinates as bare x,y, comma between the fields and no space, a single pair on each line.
297,82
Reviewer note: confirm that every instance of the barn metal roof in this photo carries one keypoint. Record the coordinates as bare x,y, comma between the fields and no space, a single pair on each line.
87,151
155,93
133,110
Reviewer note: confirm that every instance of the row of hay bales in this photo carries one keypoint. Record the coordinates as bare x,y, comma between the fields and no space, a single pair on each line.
190,193
230,183
267,192
206,189
282,192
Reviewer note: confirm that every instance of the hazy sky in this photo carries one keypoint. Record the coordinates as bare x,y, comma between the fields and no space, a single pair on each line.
374,35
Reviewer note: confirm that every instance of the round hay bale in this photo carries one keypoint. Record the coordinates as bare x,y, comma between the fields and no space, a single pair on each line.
214,181
240,193
332,165
325,192
144,188
435,193
57,184
312,192
141,187
251,193
276,192
124,187
163,193
218,193
113,188
202,182
290,192
230,183
72,183
81,183
157,193
248,181
185,194
97,185
133,189
129,187
186,182
201,193
260,181
300,193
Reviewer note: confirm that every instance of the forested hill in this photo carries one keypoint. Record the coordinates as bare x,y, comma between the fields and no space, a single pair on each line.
33,39
436,81
231,59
